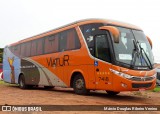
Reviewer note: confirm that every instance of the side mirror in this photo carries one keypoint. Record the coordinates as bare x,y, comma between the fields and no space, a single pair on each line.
115,32
150,41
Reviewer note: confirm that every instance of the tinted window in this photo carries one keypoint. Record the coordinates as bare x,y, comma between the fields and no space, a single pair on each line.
23,50
34,48
66,40
89,31
102,48
51,44
63,41
55,43
40,43
28,49
16,50
77,42
72,40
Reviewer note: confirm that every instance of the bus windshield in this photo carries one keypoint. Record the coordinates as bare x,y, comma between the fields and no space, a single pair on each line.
133,48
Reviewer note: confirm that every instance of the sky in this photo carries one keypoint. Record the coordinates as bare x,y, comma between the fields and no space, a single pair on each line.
20,19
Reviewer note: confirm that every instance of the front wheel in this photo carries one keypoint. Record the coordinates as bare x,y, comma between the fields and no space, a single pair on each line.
112,93
79,85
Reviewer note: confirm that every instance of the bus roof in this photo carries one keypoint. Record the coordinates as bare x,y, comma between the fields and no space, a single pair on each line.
80,22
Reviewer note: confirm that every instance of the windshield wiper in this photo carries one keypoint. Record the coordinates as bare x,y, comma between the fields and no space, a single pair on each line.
143,51
138,52
134,54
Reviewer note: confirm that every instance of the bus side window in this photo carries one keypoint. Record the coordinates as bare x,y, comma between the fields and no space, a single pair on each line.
16,50
63,41
72,40
49,44
77,42
33,47
89,31
55,43
28,49
25,49
102,48
40,46
22,50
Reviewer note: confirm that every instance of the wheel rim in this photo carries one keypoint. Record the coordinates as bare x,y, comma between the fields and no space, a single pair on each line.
79,84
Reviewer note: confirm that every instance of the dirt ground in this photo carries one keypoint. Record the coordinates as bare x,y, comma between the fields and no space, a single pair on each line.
13,95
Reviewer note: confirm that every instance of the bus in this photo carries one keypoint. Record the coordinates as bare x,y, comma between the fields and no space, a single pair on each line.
91,54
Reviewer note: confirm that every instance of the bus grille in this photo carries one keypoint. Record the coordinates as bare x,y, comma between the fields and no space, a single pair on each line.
141,85
141,78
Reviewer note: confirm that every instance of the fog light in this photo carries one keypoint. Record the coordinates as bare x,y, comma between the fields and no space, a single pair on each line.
124,85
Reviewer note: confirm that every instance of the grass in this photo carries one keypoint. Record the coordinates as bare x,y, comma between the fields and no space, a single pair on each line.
146,93
157,89
4,83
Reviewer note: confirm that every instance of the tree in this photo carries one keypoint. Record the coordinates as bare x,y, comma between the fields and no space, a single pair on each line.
1,55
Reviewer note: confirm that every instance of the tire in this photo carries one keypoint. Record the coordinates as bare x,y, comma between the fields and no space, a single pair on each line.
22,84
30,86
112,93
48,87
79,85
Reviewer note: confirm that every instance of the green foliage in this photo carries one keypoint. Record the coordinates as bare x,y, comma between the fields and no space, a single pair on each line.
4,83
1,55
1,82
157,89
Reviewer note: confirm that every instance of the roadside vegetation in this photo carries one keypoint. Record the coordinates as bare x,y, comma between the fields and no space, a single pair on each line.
4,83
145,93
157,89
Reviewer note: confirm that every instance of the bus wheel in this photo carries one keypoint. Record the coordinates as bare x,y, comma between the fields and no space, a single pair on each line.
30,86
79,85
112,93
22,84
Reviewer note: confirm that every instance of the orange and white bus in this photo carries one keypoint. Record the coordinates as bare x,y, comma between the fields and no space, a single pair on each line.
93,54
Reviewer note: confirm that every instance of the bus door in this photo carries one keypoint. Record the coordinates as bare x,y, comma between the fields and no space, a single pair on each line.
102,63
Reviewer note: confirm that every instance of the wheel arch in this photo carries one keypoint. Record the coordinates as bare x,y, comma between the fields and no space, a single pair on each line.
74,74
20,76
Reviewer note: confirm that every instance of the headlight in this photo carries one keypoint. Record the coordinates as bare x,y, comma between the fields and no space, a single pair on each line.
155,75
134,78
125,75
121,74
